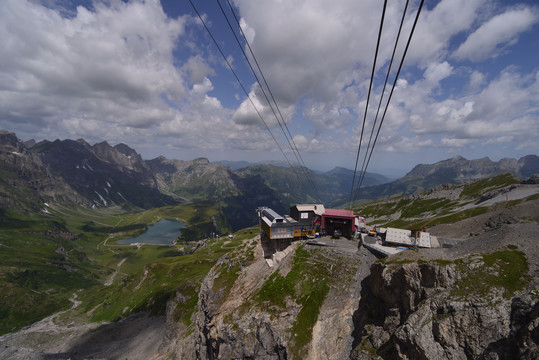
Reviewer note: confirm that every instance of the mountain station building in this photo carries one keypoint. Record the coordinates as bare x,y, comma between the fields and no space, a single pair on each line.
338,221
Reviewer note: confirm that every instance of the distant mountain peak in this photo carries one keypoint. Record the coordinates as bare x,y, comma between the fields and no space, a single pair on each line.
126,149
81,141
456,158
201,161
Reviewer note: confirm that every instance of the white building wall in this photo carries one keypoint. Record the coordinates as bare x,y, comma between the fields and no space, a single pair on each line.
401,236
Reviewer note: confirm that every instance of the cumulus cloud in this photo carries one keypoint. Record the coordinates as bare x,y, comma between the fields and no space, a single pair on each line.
107,65
488,40
309,47
477,79
126,71
436,72
495,112
439,25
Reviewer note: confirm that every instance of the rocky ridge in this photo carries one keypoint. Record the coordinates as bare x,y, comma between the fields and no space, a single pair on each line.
244,321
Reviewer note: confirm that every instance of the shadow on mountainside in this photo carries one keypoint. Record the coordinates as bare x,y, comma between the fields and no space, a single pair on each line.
137,337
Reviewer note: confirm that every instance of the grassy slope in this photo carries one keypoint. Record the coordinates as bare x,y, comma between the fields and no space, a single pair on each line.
428,212
45,258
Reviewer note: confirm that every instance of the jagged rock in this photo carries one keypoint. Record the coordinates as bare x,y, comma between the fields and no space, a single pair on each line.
499,220
231,324
410,312
534,179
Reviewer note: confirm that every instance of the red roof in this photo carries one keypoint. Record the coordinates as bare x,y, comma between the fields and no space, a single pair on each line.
339,212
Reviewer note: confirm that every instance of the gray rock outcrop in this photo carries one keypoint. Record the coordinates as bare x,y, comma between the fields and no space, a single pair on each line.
436,311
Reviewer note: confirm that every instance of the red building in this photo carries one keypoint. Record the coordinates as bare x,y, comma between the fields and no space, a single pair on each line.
338,220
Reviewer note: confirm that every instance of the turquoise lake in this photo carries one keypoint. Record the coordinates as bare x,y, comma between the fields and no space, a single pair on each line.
163,232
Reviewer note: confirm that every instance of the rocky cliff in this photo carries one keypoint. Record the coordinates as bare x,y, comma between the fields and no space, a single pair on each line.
299,309
455,171
25,181
454,310
326,303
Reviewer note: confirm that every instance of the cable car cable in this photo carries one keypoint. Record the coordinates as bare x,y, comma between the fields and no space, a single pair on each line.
367,103
362,173
281,122
242,86
393,87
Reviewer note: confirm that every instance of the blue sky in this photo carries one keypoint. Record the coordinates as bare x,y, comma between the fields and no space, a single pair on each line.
146,73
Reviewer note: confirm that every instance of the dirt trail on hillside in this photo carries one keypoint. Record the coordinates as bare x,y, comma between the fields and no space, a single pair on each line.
113,275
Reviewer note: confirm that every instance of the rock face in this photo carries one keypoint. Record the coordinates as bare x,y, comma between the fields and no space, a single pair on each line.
481,306
74,172
534,179
260,317
462,170
444,311
197,178
224,332
103,174
26,182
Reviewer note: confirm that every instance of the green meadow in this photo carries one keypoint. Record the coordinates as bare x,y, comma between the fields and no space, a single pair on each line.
47,257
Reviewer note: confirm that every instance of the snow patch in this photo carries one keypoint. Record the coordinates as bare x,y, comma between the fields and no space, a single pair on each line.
121,196
101,197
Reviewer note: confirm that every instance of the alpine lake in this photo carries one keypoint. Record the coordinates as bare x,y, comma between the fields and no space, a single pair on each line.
163,232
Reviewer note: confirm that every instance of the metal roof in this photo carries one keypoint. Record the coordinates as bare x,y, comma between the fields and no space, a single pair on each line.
339,212
318,209
271,215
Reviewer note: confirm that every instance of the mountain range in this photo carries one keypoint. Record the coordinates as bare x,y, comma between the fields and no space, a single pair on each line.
101,175
454,171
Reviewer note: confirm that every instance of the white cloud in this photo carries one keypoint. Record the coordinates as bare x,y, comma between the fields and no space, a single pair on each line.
502,29
198,69
309,47
405,144
477,79
110,65
452,142
125,71
497,111
438,26
326,117
436,72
